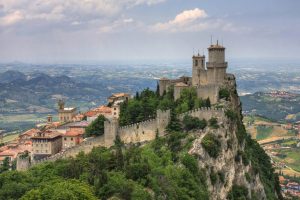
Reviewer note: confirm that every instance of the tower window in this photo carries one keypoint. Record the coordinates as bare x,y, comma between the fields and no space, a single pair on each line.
196,62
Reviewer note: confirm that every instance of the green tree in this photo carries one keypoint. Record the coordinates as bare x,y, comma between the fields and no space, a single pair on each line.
5,165
96,128
63,190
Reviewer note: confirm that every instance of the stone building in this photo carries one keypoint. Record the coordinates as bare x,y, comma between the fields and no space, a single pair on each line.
206,78
120,97
45,144
65,114
72,137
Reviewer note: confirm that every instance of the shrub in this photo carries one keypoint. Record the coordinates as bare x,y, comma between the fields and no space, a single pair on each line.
213,177
238,192
191,123
224,93
212,145
213,123
221,176
231,115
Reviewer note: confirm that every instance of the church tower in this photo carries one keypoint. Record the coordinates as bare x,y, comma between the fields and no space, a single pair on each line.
216,65
199,72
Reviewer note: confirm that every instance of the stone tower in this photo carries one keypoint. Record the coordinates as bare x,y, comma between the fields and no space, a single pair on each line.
61,104
111,127
216,65
199,72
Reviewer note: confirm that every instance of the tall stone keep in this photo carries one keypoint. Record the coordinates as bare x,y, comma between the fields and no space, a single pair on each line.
199,72
216,65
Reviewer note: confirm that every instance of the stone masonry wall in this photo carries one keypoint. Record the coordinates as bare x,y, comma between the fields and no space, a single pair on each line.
205,113
85,147
139,132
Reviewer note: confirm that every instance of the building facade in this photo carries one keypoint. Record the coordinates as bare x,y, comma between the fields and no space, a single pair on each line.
45,144
65,114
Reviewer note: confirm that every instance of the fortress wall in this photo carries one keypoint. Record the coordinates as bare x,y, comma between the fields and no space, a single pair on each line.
208,91
23,163
140,132
85,147
205,113
146,130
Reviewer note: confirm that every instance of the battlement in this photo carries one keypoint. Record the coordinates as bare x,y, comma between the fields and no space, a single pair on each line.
205,113
137,125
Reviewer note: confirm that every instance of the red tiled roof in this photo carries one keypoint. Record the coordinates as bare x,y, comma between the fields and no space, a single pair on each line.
91,113
73,133
46,134
30,132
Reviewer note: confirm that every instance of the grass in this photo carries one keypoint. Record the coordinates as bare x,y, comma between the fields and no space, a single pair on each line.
292,158
10,137
263,132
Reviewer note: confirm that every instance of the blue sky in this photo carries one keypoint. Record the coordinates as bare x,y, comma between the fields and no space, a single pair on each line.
126,30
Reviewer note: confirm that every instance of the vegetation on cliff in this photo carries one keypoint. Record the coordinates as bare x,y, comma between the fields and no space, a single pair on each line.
144,105
161,169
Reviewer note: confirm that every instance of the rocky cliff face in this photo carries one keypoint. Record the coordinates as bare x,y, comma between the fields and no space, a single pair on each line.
235,170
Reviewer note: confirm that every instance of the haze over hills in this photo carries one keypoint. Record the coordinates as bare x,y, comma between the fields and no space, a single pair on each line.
34,89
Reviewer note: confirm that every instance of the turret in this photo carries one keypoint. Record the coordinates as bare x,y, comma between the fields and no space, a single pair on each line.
216,65
61,104
198,69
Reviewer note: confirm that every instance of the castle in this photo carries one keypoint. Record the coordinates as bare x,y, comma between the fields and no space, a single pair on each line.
206,78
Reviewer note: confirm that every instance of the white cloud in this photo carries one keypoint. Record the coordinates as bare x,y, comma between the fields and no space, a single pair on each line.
11,18
195,20
184,18
69,12
116,25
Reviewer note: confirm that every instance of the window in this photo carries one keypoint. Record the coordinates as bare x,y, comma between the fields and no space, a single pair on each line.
115,108
65,138
71,138
115,113
196,62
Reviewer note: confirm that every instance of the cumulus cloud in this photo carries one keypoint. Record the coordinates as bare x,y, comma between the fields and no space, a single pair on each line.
11,18
184,18
194,20
70,12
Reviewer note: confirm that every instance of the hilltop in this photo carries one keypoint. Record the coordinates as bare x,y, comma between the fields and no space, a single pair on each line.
215,160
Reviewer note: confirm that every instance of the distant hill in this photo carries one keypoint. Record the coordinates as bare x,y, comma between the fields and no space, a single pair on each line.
278,106
11,75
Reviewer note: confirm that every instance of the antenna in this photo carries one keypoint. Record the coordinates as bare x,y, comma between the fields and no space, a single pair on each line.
211,38
193,51
217,42
198,53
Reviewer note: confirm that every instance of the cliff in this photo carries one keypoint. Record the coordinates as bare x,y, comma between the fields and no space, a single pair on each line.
240,168
205,153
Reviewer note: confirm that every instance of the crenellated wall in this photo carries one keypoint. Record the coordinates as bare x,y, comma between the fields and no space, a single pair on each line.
205,113
139,132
